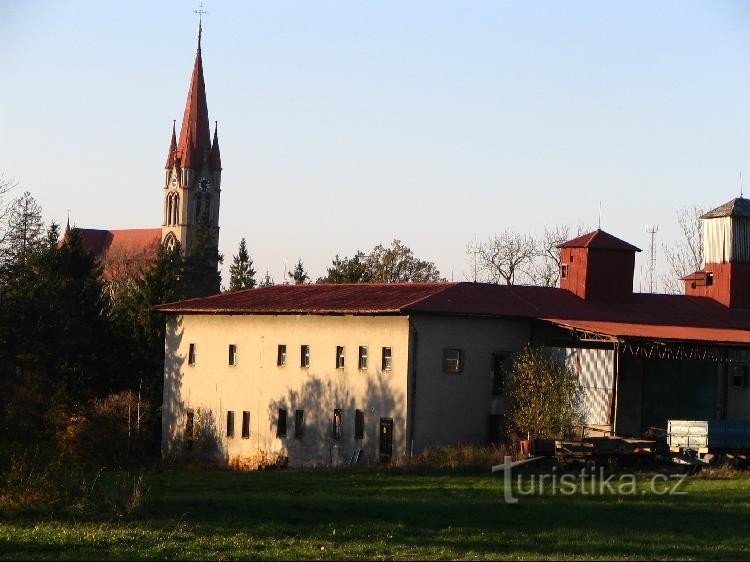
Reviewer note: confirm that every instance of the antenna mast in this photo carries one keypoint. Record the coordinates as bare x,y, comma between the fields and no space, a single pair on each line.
652,230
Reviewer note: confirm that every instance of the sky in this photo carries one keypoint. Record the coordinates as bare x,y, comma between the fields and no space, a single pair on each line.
347,124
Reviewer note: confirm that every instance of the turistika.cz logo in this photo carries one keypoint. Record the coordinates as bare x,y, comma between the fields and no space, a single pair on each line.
587,482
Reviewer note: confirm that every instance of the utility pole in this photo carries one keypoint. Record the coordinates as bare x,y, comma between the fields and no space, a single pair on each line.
652,230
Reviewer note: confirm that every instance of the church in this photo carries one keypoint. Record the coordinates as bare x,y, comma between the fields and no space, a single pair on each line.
191,191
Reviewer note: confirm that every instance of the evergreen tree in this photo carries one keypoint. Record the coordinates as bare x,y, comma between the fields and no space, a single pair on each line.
202,276
25,228
242,274
298,275
348,270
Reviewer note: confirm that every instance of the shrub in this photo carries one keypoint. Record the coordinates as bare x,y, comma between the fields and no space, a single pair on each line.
545,397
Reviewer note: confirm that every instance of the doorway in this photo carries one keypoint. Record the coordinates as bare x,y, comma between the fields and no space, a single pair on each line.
386,439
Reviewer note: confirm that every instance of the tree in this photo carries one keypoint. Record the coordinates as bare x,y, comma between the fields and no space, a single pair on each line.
397,264
25,228
507,257
348,270
544,395
686,255
242,274
6,185
298,275
202,276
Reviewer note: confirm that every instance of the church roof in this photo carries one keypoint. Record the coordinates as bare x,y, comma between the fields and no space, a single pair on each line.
599,240
739,207
136,240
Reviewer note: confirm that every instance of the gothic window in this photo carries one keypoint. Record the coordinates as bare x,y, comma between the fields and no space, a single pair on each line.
173,209
170,241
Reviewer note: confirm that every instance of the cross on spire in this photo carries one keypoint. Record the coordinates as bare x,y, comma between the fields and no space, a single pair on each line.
201,12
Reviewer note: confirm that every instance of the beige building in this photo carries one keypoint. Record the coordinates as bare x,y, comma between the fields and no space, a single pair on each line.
327,374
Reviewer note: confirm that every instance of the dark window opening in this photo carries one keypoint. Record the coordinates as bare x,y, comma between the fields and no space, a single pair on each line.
189,428
191,354
305,356
230,424
299,423
739,376
387,360
564,271
232,354
498,374
337,424
246,425
362,357
453,361
339,357
281,355
359,424
709,278
281,424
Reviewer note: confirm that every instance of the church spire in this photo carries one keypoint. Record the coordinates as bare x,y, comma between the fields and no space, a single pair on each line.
172,148
215,160
195,134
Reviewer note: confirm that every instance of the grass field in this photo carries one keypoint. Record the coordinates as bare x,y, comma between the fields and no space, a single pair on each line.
378,514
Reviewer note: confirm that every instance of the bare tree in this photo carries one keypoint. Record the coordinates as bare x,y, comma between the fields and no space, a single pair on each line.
6,185
507,257
686,255
545,270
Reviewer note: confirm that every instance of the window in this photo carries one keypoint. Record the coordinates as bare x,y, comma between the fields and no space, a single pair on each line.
189,428
304,359
363,357
564,271
232,354
498,373
739,375
336,433
339,357
281,424
246,425
299,423
191,354
281,355
230,424
709,278
453,360
359,424
386,358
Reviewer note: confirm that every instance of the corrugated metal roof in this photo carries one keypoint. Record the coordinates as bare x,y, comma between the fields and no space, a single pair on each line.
599,240
674,317
739,207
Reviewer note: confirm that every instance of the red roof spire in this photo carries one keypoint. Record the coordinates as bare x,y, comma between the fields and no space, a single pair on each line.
195,135
172,148
215,161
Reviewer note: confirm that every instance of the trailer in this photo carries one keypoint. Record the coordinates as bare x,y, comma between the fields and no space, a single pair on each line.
709,439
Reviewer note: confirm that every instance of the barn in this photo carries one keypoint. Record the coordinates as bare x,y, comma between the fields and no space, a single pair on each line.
327,374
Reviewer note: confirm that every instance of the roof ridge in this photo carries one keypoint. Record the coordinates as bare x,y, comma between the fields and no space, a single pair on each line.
445,285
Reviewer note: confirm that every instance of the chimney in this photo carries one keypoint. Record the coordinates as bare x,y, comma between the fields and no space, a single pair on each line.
598,267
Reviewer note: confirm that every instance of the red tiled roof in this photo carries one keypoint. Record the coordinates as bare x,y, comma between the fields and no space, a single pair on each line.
355,298
599,240
645,315
100,242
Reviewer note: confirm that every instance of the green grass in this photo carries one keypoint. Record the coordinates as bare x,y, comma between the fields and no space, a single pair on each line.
378,514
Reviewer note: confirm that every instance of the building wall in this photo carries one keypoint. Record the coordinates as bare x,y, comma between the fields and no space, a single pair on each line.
451,409
211,387
595,370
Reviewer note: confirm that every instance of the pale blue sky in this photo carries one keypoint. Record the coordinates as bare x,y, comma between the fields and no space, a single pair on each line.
344,124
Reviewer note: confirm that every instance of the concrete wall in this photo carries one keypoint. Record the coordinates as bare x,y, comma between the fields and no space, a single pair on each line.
450,409
256,384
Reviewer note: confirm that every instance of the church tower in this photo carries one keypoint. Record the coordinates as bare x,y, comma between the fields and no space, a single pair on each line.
192,176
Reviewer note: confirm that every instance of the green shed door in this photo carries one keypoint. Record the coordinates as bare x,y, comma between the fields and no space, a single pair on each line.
681,390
